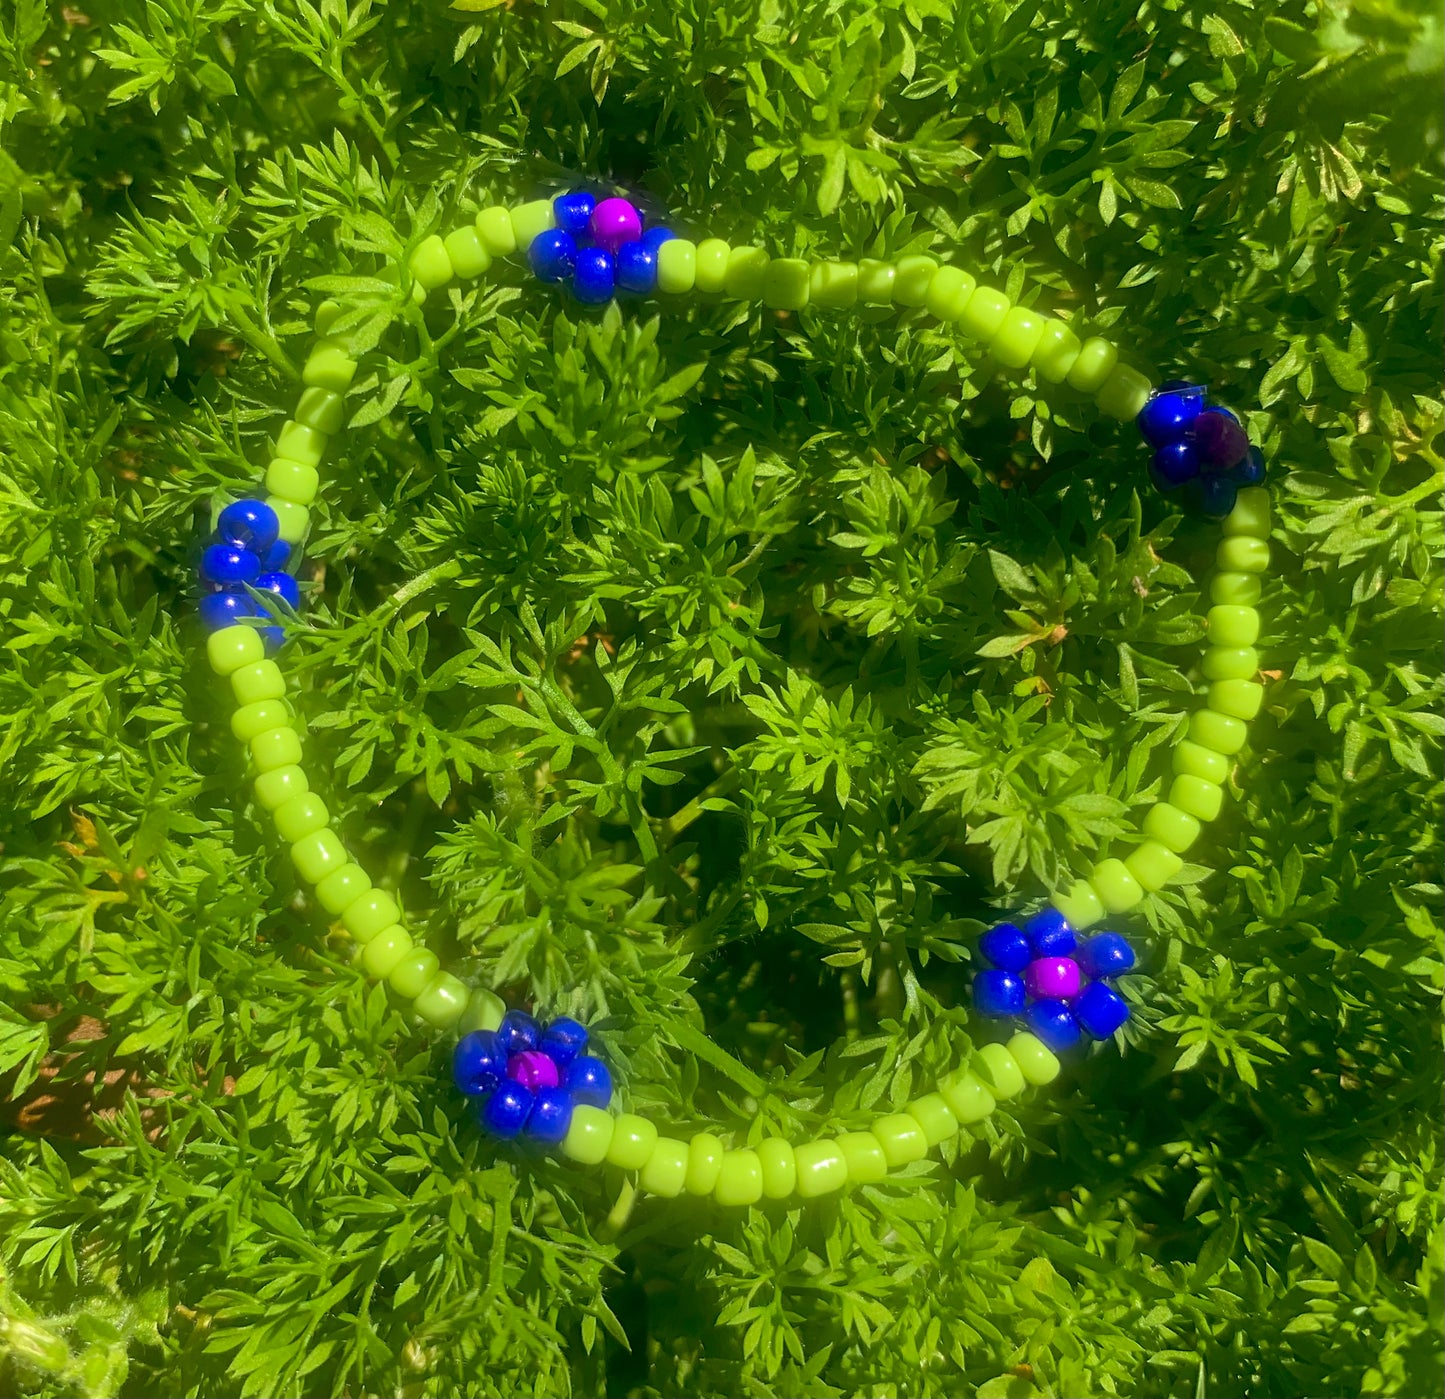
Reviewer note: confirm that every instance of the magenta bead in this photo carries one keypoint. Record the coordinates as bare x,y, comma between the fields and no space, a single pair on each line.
1220,439
533,1070
1052,978
615,222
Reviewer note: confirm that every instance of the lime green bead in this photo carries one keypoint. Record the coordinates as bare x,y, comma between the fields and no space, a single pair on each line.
984,314
252,719
740,1179
441,1001
318,854
677,266
1124,393
291,518
822,1168
589,1136
633,1138
833,285
494,227
234,648
968,1100
1196,797
704,1164
528,220
912,277
1118,890
1036,1061
277,787
1217,731
1242,554
1080,904
297,442
1194,760
300,817
1057,352
1232,626
292,482
1153,865
780,1167
372,911
875,282
1250,516
410,976
384,952
484,1011
863,1157
261,680
747,271
1230,663
999,1071
932,1114
466,252
1240,699
948,293
327,314
276,748
1235,589
785,283
320,409
429,263
328,366
713,256
1092,368
900,1138
341,888
1017,338
666,1169
1174,829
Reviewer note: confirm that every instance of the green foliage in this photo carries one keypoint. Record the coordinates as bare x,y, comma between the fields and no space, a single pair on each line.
714,676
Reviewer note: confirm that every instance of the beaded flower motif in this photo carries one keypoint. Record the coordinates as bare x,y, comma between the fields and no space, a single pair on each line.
245,553
529,1077
1200,449
1060,989
598,248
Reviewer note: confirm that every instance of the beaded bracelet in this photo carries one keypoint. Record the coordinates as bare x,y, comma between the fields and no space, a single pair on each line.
537,1081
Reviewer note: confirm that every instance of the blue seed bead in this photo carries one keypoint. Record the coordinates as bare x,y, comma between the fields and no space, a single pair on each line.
1249,472
551,1115
228,565
564,1039
476,1067
655,237
573,210
1006,947
1167,415
518,1031
506,1112
1053,1022
588,1081
998,993
636,267
1174,464
1211,496
224,609
276,557
283,585
1106,954
1049,934
594,278
553,255
250,523
274,637
1099,1009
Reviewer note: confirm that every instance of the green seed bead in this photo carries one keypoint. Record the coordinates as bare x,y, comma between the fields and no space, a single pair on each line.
932,1114
1153,865
677,266
290,481
1017,338
1174,829
484,1011
863,1157
948,293
261,680
320,409
327,314
277,787
984,314
297,442
900,1138
429,264
875,282
713,256
328,366
410,976
740,1179
999,1071
319,854
528,220
1095,363
1195,797
1057,352
370,913
291,518
1250,516
341,888
704,1164
442,1001
276,748
385,951
785,283
589,1136
1124,393
234,648
666,1169
1217,731
968,1100
1235,589
1230,663
300,817
780,1168
822,1168
494,227
1036,1061
1080,904
1242,554
912,277
467,253
633,1139
1118,890
1232,626
252,719
1194,760
1240,699
833,285
746,274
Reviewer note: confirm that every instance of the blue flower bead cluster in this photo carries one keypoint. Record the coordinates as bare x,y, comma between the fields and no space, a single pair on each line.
1200,449
1060,989
246,553
529,1077
598,248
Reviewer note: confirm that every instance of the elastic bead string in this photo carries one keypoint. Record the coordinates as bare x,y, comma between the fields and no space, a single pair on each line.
500,1047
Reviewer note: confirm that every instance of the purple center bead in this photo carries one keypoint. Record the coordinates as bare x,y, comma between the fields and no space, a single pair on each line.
533,1070
1221,439
1052,978
615,222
